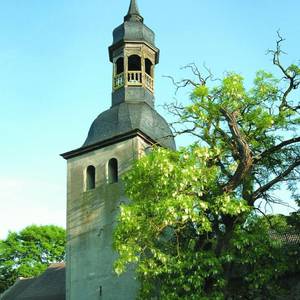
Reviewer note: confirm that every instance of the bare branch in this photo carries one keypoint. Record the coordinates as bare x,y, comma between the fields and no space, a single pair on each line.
182,83
276,148
290,76
210,74
191,131
195,70
265,216
257,194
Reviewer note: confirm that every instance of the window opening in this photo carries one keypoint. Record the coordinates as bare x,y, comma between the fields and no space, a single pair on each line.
148,66
90,178
134,63
119,65
113,171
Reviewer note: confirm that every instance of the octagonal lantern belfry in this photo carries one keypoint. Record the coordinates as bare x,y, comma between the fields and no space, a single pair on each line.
134,55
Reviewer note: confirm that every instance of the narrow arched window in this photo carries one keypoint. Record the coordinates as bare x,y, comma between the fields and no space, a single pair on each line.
148,67
113,171
119,65
90,178
134,63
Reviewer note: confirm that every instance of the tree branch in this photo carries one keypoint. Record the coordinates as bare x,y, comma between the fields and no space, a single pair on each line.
290,76
276,148
195,70
245,156
182,83
279,178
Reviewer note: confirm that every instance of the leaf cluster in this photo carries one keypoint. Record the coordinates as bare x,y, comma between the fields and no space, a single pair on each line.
29,252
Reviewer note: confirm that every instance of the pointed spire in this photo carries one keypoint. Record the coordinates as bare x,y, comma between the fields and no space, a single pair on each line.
133,13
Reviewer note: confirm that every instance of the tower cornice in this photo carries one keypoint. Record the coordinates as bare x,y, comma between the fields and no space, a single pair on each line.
122,43
111,141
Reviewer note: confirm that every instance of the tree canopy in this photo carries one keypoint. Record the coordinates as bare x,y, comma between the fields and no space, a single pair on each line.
29,252
195,227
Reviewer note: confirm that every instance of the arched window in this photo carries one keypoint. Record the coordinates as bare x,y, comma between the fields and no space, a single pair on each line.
148,67
134,70
90,178
134,63
113,171
119,65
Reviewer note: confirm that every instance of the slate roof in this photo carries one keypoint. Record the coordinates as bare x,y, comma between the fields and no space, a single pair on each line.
133,30
288,238
126,117
20,285
50,285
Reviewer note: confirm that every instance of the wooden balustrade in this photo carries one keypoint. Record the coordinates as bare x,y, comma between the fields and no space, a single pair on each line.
119,81
134,78
149,82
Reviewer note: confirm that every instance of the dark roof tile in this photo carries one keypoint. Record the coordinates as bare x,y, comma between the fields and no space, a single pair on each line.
126,117
50,285
287,238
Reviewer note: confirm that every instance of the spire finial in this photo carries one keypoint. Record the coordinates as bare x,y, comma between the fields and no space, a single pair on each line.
133,13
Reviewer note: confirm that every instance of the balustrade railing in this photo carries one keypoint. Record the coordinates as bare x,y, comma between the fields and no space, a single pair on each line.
119,81
149,82
134,78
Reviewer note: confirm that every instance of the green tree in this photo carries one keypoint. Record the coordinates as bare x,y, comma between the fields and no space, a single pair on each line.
294,218
192,227
29,252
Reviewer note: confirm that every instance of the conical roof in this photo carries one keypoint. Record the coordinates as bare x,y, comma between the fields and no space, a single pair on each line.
133,13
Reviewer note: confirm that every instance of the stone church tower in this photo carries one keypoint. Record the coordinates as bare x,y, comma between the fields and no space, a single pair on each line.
116,138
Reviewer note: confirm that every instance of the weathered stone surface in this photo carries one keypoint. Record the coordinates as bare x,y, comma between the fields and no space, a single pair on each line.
91,217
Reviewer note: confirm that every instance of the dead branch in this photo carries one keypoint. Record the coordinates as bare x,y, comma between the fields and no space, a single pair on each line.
195,70
182,83
290,76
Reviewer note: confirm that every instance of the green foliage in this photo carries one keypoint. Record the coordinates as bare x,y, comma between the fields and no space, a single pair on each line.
191,227
29,252
160,223
170,232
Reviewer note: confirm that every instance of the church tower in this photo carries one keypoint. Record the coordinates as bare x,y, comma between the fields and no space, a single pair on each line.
116,138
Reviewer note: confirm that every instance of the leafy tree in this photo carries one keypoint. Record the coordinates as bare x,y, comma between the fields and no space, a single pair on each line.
294,218
29,252
192,227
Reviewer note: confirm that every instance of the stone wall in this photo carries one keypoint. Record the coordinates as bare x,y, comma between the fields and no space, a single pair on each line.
91,217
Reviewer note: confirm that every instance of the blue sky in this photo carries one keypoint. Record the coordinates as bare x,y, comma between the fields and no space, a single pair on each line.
55,78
